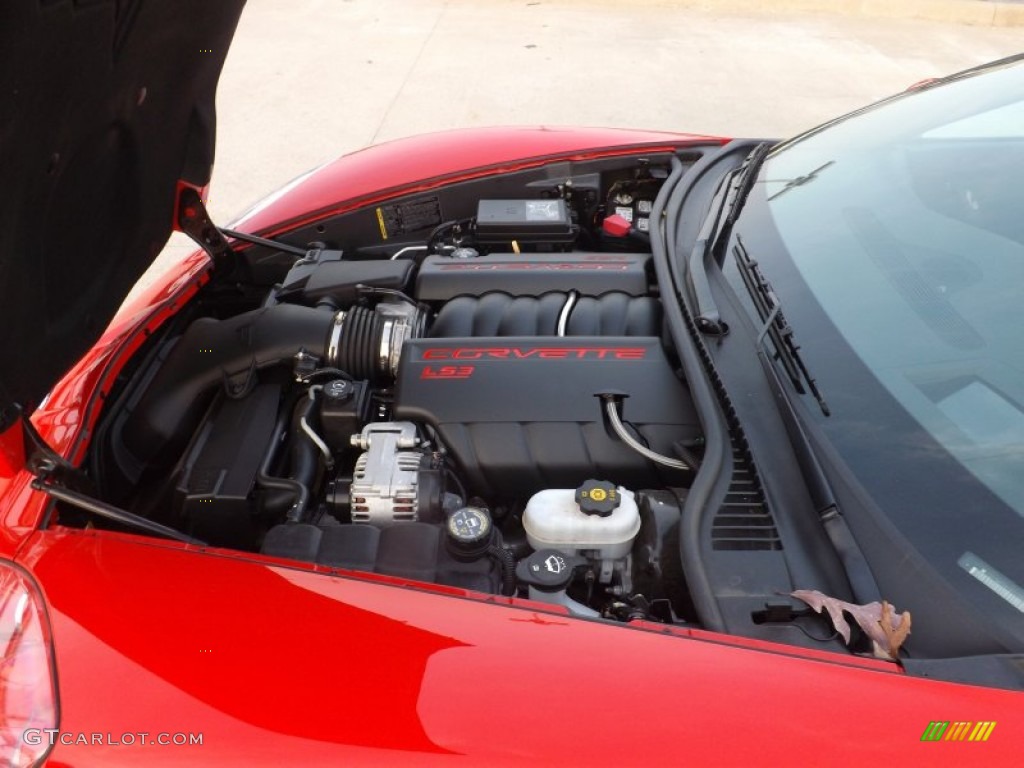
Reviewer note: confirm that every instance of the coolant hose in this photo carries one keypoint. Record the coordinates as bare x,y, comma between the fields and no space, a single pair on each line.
209,353
293,491
507,561
304,463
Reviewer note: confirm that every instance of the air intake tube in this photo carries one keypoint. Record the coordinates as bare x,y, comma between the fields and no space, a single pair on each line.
364,342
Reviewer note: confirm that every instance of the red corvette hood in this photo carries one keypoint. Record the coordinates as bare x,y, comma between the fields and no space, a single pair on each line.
104,107
272,663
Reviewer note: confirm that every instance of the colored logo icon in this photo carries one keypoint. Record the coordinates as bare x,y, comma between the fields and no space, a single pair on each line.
958,731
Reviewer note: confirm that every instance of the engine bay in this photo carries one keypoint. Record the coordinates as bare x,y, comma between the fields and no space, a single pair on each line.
486,399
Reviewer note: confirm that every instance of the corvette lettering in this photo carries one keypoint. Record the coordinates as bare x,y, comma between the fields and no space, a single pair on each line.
541,353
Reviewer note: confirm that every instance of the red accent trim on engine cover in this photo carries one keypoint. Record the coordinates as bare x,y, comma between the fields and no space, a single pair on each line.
542,353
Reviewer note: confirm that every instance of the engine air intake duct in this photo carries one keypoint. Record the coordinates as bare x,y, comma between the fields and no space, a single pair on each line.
209,352
522,412
365,343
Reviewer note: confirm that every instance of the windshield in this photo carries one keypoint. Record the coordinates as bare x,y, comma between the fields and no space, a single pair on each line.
895,242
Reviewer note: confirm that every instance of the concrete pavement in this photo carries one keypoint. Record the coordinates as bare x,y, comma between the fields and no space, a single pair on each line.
307,80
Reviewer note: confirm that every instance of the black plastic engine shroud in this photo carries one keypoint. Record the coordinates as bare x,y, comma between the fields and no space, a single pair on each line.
521,413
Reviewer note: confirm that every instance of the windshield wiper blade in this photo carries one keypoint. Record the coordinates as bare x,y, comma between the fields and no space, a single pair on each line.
775,327
740,185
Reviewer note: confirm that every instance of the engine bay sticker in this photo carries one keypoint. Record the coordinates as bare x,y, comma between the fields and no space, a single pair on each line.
409,216
543,210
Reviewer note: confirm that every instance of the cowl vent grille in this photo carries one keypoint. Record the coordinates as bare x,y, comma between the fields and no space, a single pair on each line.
743,522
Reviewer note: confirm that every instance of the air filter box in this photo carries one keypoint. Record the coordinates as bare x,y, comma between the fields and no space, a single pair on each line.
213,490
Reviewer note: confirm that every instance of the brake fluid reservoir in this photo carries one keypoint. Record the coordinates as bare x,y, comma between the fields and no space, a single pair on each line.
596,517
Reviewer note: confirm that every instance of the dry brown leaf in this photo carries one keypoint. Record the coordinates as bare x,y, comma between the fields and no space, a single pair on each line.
896,627
887,629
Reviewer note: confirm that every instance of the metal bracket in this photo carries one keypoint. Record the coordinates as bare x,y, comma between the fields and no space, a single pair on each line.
195,222
45,463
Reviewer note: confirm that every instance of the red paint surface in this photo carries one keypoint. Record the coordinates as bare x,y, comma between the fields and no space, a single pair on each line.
12,451
423,162
273,663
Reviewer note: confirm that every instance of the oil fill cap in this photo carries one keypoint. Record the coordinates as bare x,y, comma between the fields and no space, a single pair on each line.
597,497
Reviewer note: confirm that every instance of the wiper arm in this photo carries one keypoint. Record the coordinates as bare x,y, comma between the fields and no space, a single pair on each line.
787,351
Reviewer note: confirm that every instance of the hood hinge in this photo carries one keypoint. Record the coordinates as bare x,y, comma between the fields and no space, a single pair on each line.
23,448
45,463
195,222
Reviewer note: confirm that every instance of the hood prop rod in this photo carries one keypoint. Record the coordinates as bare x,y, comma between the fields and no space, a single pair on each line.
53,473
102,509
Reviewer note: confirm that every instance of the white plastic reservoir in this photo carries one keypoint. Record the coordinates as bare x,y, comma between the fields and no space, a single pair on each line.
553,520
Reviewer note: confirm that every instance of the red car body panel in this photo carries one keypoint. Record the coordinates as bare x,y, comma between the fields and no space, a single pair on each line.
423,162
283,663
275,663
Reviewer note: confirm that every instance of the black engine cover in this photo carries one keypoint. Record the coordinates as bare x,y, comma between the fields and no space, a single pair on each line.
520,414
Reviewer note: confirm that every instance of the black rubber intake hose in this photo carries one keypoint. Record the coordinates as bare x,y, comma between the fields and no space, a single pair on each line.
359,343
209,353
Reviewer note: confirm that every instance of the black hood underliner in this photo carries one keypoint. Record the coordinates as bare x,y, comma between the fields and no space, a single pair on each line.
104,107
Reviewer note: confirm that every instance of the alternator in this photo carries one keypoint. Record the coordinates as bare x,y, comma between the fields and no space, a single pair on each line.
386,477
